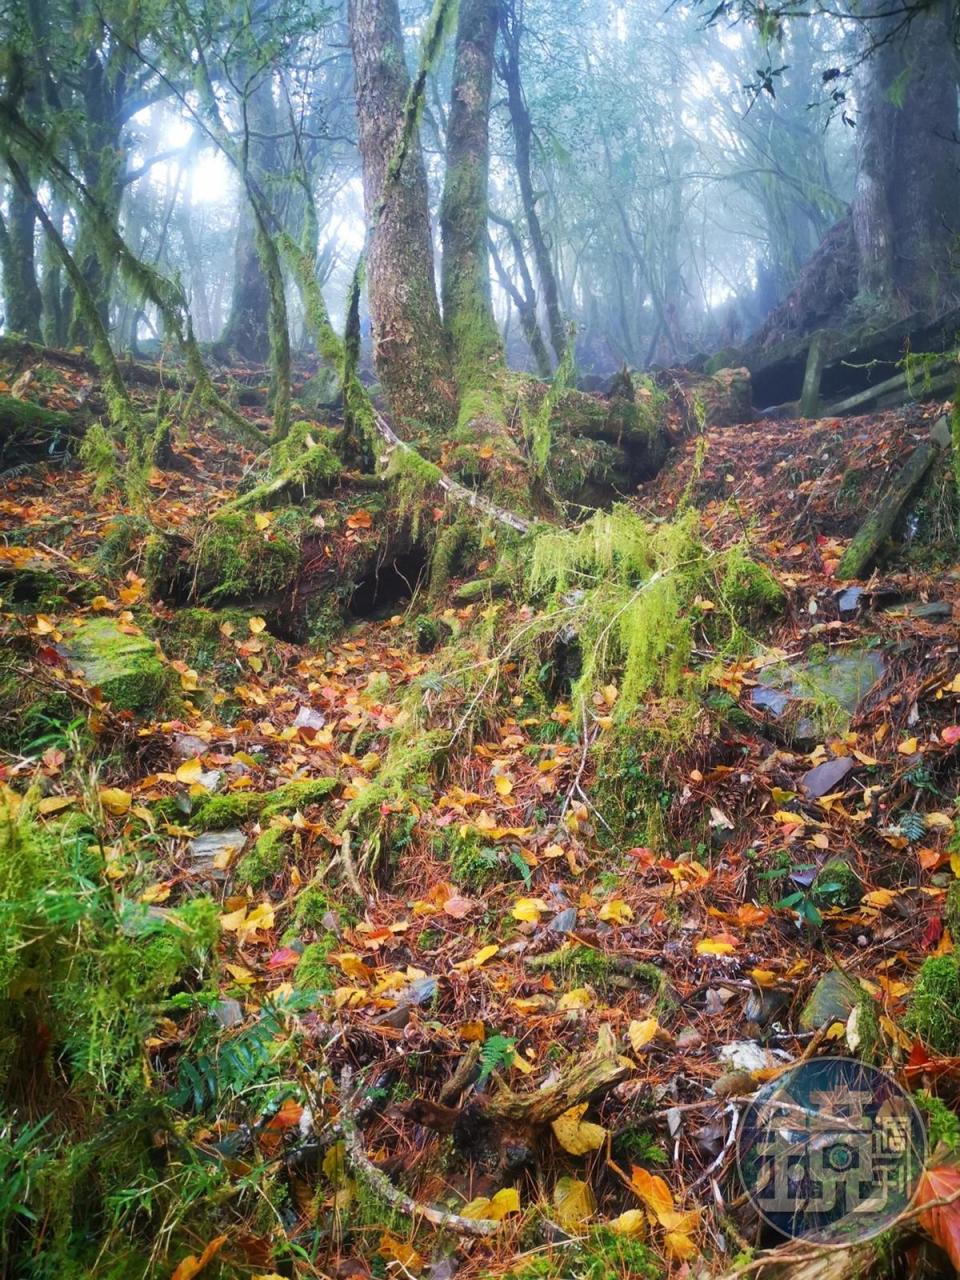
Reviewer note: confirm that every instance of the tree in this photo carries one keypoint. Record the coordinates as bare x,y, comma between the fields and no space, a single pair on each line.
409,344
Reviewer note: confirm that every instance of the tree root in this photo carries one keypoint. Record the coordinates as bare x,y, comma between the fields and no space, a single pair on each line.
364,1168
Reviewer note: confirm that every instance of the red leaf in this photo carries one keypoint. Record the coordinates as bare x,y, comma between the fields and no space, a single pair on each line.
942,1224
951,734
285,958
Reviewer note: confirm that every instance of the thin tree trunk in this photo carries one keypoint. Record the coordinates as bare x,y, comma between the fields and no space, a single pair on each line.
409,346
465,276
509,70
22,303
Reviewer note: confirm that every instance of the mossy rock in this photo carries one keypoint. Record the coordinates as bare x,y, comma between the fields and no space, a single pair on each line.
833,999
125,668
837,885
934,1013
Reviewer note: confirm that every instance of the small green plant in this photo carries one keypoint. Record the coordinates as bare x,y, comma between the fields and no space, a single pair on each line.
934,1012
496,1054
943,1125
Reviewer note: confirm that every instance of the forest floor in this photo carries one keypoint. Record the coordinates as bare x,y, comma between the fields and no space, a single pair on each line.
491,930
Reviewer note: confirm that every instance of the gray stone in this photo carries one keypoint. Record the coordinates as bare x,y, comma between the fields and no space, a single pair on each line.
825,777
228,1012
790,692
932,611
565,921
203,849
831,1000
848,601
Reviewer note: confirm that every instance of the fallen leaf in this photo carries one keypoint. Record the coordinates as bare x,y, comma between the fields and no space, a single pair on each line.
642,1032
116,801
714,947
576,1135
192,1266
573,1202
942,1224
616,912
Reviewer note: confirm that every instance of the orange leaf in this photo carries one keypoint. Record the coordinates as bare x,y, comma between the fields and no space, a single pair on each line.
942,1224
192,1265
361,519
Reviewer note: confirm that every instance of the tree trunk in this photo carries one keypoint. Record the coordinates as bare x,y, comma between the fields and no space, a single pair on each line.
509,69
246,332
905,212
22,304
409,346
465,278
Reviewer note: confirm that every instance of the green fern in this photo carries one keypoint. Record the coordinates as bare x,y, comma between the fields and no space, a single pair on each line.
496,1055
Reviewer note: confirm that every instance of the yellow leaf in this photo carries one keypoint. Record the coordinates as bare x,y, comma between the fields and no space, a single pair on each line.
392,1247
714,947
232,921
502,785
632,1222
610,694
573,1202
116,801
908,747
352,965
472,1031
578,998
54,804
528,909
263,520
641,1033
522,1064
679,1245
864,758
99,603
507,1200
576,1135
936,821
189,681
156,892
879,898
836,1030
190,772
479,958
763,977
256,625
616,912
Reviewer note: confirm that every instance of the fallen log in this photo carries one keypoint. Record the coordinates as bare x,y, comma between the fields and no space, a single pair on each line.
934,382
879,524
27,430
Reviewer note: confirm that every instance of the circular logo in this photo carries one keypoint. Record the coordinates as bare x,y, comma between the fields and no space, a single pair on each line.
831,1151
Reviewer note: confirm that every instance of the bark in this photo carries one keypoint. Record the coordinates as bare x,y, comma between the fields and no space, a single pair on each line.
509,70
526,302
905,212
409,346
465,278
22,303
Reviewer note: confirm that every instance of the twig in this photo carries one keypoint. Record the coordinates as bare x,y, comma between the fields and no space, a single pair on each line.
364,1167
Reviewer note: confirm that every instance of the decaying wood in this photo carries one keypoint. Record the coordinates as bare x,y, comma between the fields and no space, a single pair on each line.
939,381
595,1073
794,1262
879,524
364,1168
810,396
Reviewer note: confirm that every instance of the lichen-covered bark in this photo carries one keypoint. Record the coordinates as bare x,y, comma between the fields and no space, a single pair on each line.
465,277
409,345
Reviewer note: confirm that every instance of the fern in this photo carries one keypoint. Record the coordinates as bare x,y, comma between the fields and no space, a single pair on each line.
495,1055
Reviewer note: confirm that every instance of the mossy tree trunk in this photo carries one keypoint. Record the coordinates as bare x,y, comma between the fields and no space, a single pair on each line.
465,277
409,345
22,304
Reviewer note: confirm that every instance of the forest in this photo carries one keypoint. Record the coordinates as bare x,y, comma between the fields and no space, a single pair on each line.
479,650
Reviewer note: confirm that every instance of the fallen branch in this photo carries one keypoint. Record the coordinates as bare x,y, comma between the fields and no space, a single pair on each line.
364,1167
453,487
879,524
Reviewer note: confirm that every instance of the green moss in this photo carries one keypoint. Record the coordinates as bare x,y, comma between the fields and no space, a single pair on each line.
315,972
836,885
749,588
952,906
312,904
234,560
125,668
217,813
934,1012
473,865
98,454
265,860
943,1125
121,545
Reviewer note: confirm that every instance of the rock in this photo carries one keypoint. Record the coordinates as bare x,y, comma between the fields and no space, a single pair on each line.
228,1012
825,777
743,1055
689,1038
832,1000
125,668
187,745
848,601
565,921
808,697
205,849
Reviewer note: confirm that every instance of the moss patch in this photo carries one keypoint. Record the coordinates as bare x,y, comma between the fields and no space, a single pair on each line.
934,1012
